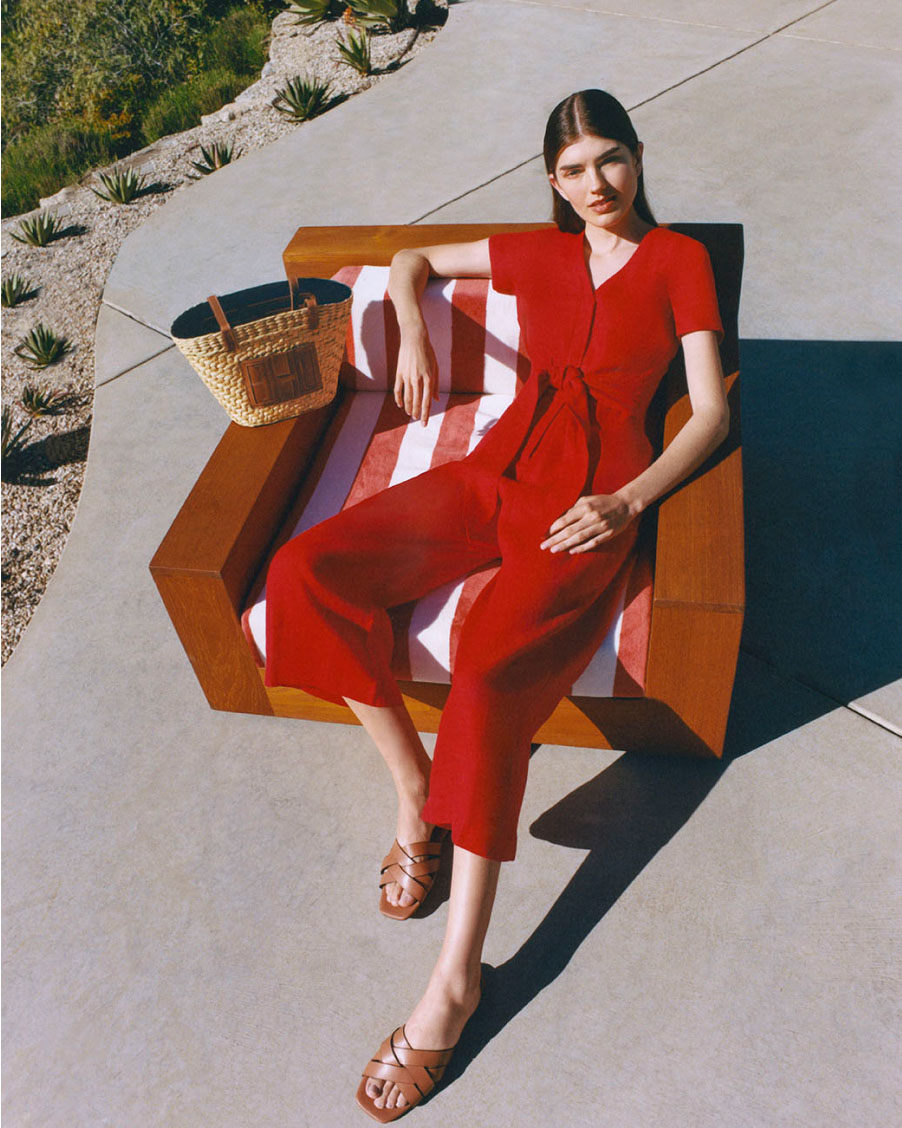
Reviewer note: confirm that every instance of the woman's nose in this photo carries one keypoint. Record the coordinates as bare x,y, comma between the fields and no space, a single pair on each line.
598,181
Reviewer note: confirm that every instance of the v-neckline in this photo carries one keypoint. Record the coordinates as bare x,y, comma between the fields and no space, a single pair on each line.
587,271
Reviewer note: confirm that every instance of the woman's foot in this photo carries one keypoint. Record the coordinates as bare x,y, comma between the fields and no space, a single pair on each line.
436,1023
411,828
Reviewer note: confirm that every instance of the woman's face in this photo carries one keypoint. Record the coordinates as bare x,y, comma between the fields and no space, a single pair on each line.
599,177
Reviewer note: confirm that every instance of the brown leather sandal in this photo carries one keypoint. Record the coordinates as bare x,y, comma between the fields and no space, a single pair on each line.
415,1072
414,868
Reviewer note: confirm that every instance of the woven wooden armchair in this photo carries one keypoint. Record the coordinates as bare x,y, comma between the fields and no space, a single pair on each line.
220,539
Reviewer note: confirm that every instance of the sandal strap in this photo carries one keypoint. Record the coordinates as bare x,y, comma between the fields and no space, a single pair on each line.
413,850
415,1072
415,887
401,866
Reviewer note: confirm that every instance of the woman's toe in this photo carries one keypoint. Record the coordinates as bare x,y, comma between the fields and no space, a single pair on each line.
391,1096
373,1088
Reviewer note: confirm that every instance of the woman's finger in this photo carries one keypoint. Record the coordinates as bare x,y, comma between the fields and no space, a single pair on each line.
557,538
570,535
591,543
563,522
417,398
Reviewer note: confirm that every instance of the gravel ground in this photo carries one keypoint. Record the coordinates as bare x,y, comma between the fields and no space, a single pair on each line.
68,277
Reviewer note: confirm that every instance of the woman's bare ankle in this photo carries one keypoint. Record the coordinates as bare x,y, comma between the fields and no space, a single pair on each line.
460,984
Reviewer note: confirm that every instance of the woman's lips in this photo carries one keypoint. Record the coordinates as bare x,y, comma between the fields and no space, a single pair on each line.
603,205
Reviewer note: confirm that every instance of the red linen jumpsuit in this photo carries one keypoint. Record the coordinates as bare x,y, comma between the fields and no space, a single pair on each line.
577,426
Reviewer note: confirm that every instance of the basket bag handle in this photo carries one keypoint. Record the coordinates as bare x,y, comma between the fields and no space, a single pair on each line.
228,335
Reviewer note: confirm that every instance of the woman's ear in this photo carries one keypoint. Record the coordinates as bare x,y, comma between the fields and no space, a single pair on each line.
640,149
555,185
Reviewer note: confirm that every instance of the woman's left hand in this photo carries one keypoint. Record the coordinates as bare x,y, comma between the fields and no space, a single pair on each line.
591,520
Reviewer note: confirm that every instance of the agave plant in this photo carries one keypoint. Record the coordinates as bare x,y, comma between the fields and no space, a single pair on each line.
303,98
41,347
41,401
215,157
355,51
15,289
119,187
13,443
315,11
39,229
393,15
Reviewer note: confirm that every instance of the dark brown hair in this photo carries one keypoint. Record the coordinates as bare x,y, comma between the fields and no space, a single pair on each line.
589,113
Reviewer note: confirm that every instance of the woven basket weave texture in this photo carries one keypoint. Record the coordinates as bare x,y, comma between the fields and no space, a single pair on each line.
220,368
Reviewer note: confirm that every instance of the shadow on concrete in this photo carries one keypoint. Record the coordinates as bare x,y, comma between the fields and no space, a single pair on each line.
623,816
823,493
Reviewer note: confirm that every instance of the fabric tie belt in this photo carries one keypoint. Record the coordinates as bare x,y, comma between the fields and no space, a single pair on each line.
572,392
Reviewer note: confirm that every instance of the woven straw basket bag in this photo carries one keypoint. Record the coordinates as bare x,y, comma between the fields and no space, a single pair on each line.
270,352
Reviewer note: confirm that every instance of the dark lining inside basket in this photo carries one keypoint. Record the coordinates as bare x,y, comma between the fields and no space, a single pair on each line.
245,306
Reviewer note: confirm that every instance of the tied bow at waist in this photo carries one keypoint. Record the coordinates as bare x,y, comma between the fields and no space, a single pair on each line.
571,392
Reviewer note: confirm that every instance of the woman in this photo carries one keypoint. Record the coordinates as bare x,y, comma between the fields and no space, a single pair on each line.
554,489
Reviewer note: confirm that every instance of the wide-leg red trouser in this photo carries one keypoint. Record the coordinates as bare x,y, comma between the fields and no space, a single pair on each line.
529,634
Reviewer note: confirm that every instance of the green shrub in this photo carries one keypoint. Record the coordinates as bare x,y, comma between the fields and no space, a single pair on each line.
49,158
44,401
89,81
214,158
355,52
62,59
239,43
38,230
183,106
42,347
121,186
316,11
16,289
302,98
388,15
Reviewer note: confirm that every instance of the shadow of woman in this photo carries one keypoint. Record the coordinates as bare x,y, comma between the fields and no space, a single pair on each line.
623,817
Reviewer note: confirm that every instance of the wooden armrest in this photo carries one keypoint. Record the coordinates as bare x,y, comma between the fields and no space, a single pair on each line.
216,545
240,500
699,556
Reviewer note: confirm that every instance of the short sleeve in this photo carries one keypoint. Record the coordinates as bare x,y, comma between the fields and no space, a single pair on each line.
506,254
693,296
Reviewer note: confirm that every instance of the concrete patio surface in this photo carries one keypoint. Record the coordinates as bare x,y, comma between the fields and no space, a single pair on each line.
191,933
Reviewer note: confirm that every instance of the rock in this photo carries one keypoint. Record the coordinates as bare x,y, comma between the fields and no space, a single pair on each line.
64,194
285,23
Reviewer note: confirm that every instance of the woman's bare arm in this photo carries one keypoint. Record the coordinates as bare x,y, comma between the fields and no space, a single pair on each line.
595,518
416,379
702,432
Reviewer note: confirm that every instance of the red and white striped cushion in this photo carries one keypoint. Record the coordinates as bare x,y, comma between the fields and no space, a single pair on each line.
371,445
473,329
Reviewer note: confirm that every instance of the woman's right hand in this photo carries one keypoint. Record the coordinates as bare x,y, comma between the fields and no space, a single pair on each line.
416,379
